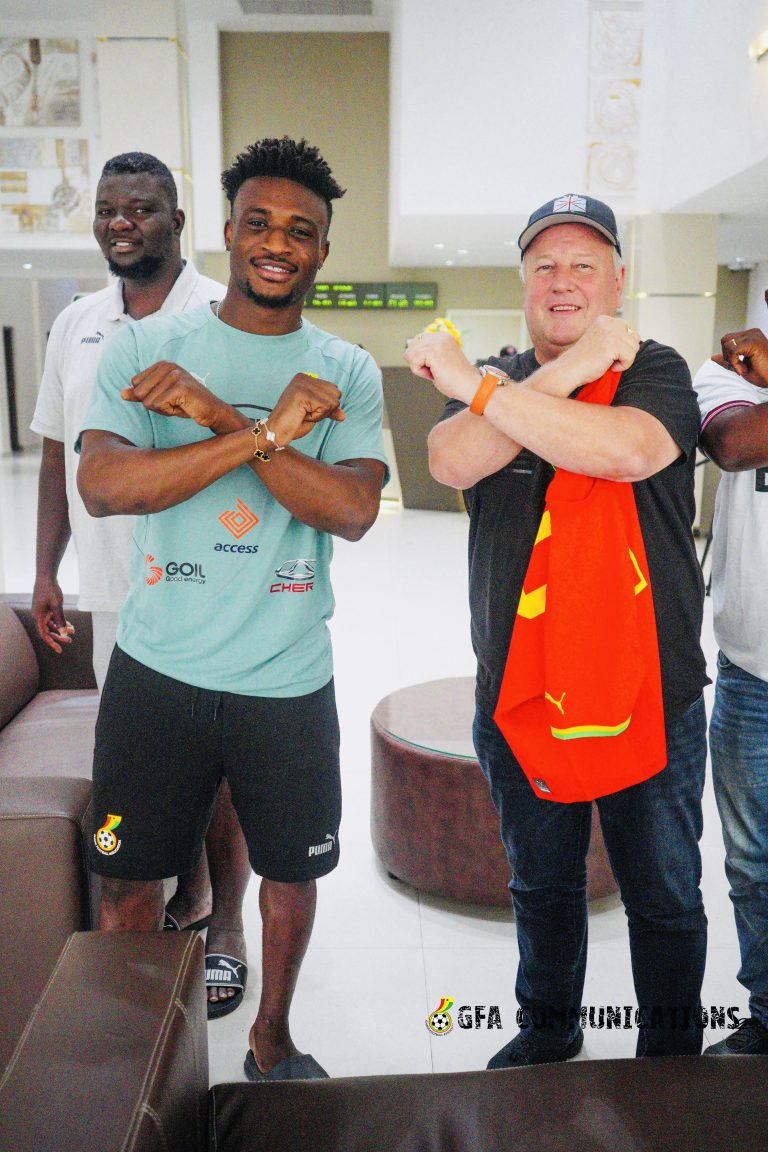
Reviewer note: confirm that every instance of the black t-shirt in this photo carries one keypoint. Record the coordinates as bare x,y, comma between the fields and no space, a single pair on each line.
505,510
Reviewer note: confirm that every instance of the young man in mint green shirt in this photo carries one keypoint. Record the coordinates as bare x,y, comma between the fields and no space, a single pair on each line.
244,439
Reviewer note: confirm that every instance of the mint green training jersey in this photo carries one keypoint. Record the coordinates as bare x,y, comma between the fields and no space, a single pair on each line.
228,590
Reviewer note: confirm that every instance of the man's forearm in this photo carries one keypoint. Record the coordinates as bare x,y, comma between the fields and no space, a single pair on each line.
117,478
737,439
613,443
466,448
53,527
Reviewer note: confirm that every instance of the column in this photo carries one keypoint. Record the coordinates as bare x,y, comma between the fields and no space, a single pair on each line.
670,296
143,89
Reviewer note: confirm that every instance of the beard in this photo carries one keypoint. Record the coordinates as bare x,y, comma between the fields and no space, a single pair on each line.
291,298
145,268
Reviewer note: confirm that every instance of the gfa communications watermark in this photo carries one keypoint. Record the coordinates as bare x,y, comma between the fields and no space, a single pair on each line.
608,1016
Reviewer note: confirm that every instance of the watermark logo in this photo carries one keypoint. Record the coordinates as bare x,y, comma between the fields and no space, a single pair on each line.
440,1022
625,1016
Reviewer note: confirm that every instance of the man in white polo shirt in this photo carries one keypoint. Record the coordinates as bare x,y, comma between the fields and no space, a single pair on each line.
138,226
732,393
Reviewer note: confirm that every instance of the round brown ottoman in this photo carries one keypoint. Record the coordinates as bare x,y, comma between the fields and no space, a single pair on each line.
432,819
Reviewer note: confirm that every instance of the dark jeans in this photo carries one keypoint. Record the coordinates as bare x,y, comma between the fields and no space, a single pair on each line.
738,739
652,833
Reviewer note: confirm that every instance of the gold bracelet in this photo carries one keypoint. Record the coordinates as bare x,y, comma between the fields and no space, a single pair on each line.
257,429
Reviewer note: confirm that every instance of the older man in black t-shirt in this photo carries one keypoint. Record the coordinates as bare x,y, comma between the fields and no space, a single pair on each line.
506,427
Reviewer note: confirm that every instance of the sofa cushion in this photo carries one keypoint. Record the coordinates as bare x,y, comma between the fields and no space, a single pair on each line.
52,736
19,675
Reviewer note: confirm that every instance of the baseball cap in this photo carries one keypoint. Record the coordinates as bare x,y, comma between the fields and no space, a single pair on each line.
572,209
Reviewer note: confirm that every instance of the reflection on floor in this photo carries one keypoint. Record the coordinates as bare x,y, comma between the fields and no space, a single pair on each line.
382,956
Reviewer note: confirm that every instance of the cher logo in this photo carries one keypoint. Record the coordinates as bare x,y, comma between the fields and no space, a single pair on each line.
154,571
240,521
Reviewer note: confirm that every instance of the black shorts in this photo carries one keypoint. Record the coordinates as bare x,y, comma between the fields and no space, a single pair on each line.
162,748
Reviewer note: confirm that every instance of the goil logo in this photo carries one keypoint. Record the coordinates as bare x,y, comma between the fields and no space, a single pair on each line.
104,838
154,571
240,521
440,1022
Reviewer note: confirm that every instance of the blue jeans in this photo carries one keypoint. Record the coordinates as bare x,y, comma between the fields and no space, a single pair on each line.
652,833
738,737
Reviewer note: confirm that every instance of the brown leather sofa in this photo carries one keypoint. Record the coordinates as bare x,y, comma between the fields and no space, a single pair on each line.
103,1041
103,1035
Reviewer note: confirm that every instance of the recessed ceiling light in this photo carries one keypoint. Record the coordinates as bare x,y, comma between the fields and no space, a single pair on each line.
462,251
510,243
449,261
27,266
438,245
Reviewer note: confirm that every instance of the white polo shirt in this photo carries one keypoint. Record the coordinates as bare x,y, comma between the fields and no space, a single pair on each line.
77,340
740,533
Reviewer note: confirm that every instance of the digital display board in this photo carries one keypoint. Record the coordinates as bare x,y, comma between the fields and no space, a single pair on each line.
414,296
373,296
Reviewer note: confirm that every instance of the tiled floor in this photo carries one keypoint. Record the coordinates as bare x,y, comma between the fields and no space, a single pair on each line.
382,956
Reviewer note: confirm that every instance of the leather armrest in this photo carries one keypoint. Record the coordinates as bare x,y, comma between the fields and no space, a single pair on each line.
73,667
44,886
115,1053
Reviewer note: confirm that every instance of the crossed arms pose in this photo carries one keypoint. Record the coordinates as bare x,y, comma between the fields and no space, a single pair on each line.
620,443
117,477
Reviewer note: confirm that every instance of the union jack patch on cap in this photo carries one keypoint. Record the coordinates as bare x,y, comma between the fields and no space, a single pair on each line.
570,204
591,212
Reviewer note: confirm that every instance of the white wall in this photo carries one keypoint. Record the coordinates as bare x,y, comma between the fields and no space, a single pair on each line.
205,135
488,108
19,310
713,118
485,95
491,113
757,313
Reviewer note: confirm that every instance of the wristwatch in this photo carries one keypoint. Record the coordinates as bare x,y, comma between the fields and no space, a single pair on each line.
492,378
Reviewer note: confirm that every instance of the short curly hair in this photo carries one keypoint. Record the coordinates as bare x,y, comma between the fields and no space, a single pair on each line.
285,159
130,163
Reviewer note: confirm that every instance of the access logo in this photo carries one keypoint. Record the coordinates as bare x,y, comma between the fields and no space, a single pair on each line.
238,522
